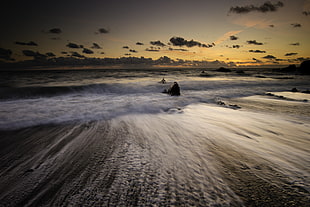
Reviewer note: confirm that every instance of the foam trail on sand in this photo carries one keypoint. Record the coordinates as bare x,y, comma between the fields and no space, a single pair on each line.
201,155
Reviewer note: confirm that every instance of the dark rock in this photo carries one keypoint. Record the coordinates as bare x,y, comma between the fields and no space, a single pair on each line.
222,69
163,81
294,90
305,67
174,90
290,68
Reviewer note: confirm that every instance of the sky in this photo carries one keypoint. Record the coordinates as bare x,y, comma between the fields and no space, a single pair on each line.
232,32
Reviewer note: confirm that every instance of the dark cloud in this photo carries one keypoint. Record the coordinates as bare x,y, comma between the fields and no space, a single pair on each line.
271,25
179,49
139,43
295,44
64,52
31,43
55,38
96,46
103,31
125,47
157,43
233,37
5,54
236,46
291,54
135,51
295,25
266,7
306,13
269,57
50,54
254,42
73,45
76,54
152,49
257,51
87,51
127,54
55,31
31,53
257,60
179,41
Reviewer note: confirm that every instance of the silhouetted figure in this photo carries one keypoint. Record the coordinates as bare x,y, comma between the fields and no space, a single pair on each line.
174,90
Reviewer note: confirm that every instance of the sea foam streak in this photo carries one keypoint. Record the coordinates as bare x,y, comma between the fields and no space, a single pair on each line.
201,155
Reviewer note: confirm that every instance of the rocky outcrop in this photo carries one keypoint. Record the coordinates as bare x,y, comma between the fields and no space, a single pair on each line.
305,67
174,90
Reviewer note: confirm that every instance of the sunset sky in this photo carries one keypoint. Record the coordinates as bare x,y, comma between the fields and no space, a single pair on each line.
241,32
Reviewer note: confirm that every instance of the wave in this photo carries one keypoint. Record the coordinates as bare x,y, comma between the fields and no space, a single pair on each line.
37,92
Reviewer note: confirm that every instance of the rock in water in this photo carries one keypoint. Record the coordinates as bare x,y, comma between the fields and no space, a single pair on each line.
305,67
174,90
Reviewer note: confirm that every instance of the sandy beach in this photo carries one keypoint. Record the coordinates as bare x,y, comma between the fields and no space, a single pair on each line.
201,155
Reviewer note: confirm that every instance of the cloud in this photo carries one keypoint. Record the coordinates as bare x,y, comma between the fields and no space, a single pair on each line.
73,45
291,54
103,31
87,51
55,31
157,43
50,54
257,60
266,7
139,43
179,41
306,13
55,38
135,51
295,25
31,53
236,46
125,47
232,37
257,51
270,57
96,46
271,25
226,36
179,49
5,54
76,54
295,44
152,49
254,42
31,43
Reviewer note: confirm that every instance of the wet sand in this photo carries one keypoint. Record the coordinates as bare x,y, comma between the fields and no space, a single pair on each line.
198,156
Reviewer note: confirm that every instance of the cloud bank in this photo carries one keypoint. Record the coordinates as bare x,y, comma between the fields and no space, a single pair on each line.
55,31
5,54
31,43
254,42
266,7
179,41
157,43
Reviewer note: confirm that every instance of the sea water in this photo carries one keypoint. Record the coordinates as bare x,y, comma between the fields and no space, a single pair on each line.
42,97
111,138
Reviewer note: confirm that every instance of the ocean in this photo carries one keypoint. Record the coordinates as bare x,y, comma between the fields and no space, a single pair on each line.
110,137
